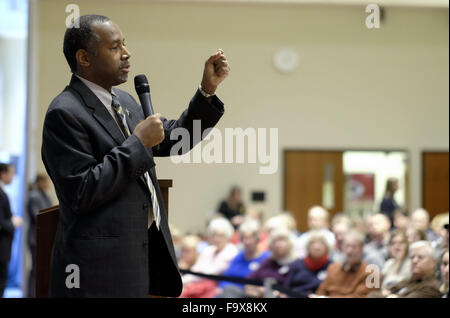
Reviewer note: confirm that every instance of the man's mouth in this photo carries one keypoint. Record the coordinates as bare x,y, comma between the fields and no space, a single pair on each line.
125,68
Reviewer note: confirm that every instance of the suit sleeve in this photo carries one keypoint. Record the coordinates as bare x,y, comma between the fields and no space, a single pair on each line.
6,225
200,109
83,182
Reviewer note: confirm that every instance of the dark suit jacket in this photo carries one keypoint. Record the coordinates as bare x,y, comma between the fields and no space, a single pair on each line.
98,178
6,228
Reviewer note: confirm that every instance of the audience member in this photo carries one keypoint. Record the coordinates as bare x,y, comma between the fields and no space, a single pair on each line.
273,223
414,234
388,204
307,274
421,220
438,226
188,252
233,208
177,237
398,267
277,265
245,262
423,282
213,260
376,251
340,224
256,213
318,219
347,279
401,219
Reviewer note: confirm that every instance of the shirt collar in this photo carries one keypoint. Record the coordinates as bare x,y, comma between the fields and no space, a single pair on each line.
102,94
352,268
2,185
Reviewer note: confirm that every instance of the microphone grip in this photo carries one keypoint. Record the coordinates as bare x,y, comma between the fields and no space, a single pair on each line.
147,107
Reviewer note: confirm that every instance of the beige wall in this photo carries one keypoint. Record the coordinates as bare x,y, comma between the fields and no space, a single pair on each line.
354,87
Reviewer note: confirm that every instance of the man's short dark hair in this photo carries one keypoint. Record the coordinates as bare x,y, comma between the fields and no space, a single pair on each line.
4,167
80,36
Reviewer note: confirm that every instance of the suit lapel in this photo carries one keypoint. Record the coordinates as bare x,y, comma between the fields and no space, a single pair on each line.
100,113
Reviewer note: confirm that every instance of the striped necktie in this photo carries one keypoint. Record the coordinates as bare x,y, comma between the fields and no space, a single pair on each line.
124,127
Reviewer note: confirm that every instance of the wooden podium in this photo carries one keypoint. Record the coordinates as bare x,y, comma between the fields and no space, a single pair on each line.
47,223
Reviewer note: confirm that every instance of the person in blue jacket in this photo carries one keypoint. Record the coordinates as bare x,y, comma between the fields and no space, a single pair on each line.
246,261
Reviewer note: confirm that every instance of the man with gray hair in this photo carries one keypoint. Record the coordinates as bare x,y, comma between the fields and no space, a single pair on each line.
376,251
350,278
423,283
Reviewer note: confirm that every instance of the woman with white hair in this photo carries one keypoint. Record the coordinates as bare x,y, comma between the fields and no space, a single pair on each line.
307,274
213,260
277,265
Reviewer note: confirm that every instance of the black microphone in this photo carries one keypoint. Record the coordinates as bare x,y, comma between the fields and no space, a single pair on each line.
143,91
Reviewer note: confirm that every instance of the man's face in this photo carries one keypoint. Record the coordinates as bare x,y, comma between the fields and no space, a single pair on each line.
110,65
401,221
250,241
280,247
219,239
8,176
420,221
422,264
317,221
353,251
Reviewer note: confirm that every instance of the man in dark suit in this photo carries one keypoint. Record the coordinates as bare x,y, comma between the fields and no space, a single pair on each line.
8,222
113,239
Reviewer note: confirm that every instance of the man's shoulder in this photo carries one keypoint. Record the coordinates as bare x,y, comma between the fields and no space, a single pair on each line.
64,100
334,267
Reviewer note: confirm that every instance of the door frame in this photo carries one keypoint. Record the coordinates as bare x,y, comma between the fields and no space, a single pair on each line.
331,149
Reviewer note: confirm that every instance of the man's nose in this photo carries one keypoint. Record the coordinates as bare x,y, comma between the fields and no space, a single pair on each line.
126,54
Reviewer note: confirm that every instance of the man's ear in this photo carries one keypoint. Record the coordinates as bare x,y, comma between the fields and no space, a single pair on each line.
83,58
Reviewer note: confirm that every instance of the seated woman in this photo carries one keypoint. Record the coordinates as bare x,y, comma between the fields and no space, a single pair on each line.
398,267
213,260
277,265
189,252
246,261
307,274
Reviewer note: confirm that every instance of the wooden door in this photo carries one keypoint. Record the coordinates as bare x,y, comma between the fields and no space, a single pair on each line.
435,182
313,178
